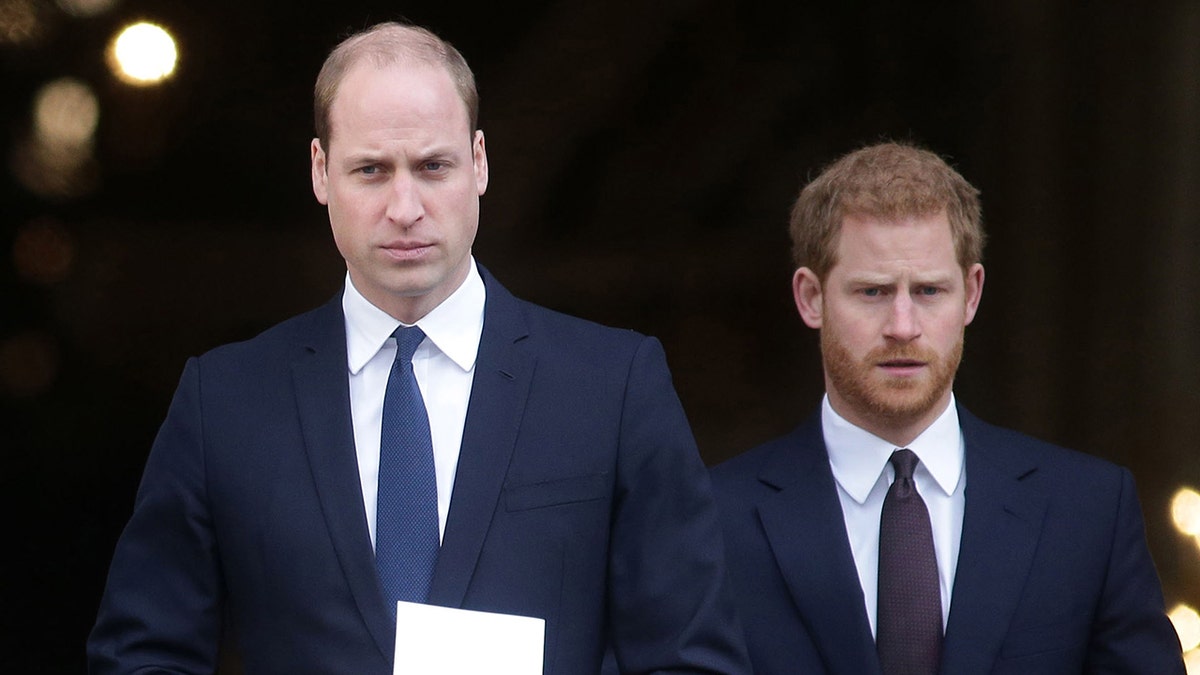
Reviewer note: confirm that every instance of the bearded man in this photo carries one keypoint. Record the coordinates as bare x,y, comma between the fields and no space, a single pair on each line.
893,532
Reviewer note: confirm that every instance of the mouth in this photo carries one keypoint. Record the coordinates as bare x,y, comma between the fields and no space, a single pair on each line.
407,250
902,367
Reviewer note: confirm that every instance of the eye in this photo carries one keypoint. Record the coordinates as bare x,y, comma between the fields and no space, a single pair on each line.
872,292
928,290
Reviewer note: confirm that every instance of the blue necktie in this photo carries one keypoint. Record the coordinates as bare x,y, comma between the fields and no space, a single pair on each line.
406,518
909,627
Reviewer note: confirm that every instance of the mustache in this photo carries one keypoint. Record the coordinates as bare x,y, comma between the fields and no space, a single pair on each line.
905,352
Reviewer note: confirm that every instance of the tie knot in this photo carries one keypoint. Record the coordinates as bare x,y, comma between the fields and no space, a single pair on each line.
904,461
407,340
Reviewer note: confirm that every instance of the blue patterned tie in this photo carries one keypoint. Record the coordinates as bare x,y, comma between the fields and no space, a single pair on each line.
406,518
908,632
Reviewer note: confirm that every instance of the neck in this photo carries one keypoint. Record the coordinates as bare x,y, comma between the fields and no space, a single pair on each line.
896,427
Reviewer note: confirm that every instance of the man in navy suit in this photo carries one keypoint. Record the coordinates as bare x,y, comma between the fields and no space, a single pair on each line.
568,484
1036,555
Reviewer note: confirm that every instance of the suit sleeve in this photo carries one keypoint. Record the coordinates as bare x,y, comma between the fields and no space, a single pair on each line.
160,612
1131,633
670,609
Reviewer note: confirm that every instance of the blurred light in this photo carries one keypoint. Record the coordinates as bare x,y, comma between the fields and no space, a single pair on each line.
143,54
57,160
54,171
28,364
85,7
65,113
18,21
1185,511
1192,661
43,252
1187,625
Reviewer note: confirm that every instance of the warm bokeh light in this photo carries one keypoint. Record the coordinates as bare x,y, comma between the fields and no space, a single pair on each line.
56,160
54,171
19,22
28,364
1187,625
1185,511
43,251
1192,661
83,8
143,54
65,112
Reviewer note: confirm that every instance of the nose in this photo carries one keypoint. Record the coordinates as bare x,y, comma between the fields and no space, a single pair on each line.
405,206
902,324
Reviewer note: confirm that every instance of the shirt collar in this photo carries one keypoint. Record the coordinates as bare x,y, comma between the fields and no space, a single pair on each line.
859,457
454,327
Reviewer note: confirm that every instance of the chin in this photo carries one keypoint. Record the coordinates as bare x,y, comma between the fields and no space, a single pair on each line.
911,403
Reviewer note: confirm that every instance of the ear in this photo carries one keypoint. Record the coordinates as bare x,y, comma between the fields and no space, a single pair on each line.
479,159
974,291
806,290
320,173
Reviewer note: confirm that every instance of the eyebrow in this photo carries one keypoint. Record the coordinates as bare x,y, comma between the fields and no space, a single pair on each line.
445,153
360,157
872,279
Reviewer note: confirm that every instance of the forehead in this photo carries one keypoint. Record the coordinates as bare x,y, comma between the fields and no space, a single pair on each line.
405,93
915,242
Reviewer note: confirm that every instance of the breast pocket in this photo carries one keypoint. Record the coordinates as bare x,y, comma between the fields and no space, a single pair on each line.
1061,639
557,492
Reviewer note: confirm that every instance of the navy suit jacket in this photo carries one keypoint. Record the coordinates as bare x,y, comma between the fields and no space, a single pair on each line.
1054,576
580,498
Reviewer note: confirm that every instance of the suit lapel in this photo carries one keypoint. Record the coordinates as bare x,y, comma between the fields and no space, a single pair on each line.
323,402
813,551
503,372
1002,522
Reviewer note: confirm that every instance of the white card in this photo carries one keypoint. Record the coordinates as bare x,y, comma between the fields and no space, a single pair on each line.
433,640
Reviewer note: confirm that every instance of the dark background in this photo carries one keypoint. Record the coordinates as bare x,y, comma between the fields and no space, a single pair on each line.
643,160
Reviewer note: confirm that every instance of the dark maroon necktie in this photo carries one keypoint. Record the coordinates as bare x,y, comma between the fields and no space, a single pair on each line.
908,633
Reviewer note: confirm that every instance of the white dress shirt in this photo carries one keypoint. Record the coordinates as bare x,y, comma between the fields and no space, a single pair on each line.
444,365
863,474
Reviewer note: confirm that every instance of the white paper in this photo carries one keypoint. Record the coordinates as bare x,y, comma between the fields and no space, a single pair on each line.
433,640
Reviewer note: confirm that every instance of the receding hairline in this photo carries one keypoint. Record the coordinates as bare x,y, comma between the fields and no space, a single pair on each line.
392,42
384,45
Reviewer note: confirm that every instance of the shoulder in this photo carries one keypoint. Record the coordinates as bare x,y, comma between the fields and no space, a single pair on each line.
566,327
799,451
557,334
1036,461
319,328
747,464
